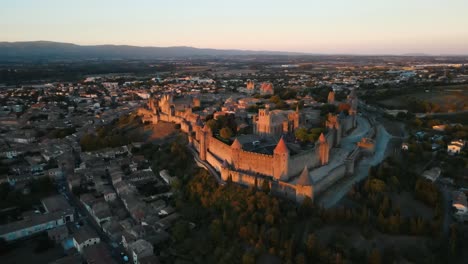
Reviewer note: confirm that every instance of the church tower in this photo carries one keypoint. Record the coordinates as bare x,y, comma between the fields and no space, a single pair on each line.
323,150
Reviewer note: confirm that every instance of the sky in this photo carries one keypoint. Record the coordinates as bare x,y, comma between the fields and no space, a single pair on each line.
315,26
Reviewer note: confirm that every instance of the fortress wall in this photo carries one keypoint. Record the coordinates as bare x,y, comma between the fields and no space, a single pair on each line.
332,177
220,149
164,117
213,161
196,145
298,162
185,127
346,124
246,179
251,161
284,190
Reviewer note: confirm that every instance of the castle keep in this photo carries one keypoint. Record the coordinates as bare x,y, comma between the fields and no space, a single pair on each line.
289,171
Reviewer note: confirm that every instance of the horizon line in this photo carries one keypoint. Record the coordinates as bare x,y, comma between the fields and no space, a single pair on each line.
293,53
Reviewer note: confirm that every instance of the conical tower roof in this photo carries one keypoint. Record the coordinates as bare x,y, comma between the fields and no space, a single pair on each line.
281,147
322,138
236,144
304,178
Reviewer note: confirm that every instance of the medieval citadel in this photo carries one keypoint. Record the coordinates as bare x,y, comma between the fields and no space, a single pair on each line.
267,155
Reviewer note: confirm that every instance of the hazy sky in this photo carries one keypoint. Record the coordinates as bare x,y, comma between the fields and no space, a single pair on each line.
325,26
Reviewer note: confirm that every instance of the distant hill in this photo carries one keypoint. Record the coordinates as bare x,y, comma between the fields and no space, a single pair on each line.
46,50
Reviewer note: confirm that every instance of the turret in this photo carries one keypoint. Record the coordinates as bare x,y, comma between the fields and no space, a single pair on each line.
236,144
323,150
304,186
204,141
281,161
236,148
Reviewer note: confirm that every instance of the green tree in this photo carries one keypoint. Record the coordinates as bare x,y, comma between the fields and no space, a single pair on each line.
226,133
212,124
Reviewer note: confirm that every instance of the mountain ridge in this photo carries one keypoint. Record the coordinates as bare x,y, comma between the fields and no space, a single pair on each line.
61,50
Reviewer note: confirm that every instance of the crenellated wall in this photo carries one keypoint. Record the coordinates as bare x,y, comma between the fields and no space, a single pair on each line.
213,161
254,162
299,161
332,177
284,189
220,149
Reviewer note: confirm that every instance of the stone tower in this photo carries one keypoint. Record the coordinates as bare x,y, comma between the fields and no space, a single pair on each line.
304,186
263,124
236,148
204,141
353,102
333,124
331,97
323,150
281,161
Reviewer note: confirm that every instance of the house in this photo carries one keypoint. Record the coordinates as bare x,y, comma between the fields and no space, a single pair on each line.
97,254
459,201
140,249
432,174
85,237
404,146
58,234
455,147
109,194
71,259
58,213
101,212
88,200
149,260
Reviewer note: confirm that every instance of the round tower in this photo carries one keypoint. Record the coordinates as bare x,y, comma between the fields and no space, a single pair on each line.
281,161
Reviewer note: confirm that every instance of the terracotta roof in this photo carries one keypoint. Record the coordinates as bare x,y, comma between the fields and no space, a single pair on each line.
304,178
236,144
281,147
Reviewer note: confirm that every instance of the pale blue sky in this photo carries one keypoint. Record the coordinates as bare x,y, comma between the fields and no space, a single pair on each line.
325,26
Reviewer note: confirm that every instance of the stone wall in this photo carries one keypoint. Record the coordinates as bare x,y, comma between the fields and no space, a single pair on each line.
213,161
332,177
255,162
221,150
299,161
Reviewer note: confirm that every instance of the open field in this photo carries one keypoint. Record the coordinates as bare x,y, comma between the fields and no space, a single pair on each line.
447,98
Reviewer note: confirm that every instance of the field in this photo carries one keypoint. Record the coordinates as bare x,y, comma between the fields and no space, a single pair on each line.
446,99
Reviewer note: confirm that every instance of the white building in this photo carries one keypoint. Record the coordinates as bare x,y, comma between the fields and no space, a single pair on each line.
85,237
455,147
